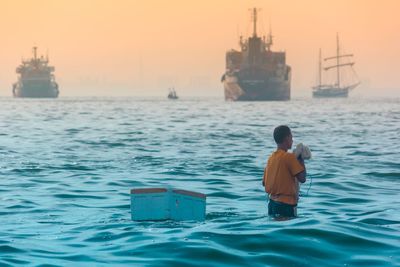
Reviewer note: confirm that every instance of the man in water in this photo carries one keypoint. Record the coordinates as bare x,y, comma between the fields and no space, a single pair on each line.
282,176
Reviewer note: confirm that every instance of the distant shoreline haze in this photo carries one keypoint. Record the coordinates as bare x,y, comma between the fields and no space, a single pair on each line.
104,47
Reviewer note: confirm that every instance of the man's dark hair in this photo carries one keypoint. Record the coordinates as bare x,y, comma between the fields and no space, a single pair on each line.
280,133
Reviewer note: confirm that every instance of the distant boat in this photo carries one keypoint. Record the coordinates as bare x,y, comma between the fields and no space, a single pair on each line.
172,94
339,88
36,78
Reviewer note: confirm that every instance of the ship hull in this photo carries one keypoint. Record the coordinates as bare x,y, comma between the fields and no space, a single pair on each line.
256,89
331,93
36,89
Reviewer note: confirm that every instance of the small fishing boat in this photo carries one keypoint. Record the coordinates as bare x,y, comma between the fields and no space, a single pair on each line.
172,94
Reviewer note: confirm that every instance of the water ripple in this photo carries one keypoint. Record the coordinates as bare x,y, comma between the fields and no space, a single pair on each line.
67,166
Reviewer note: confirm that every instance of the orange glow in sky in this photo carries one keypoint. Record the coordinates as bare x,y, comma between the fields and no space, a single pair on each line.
130,47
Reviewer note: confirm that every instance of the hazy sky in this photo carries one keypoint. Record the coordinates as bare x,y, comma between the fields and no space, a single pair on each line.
130,47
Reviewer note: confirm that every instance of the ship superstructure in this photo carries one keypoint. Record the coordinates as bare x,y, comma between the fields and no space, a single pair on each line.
255,73
36,78
339,88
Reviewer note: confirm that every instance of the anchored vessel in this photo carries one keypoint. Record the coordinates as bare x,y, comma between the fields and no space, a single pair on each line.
172,94
339,88
255,73
35,78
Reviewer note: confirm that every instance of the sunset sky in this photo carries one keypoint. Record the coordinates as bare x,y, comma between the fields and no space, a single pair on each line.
140,48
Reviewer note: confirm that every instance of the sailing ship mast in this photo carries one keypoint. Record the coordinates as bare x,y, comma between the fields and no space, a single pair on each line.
338,63
337,57
320,69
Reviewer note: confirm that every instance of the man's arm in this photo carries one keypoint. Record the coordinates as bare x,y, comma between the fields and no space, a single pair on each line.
301,177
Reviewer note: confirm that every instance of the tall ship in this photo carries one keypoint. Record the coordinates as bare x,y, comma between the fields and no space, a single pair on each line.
255,73
36,78
346,77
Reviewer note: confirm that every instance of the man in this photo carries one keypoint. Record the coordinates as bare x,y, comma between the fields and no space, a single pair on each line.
282,176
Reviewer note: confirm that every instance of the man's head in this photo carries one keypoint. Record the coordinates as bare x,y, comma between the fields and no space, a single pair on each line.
283,137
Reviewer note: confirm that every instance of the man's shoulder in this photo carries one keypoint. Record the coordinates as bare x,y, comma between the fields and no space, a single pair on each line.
273,155
289,157
280,155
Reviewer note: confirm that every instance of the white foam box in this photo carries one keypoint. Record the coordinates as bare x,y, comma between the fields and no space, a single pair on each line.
164,204
187,205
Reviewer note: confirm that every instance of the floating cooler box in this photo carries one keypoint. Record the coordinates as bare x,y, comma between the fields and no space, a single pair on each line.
149,204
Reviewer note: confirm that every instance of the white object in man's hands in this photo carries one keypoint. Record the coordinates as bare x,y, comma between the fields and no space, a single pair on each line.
303,151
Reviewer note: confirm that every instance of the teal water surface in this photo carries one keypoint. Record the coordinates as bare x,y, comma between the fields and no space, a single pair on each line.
67,166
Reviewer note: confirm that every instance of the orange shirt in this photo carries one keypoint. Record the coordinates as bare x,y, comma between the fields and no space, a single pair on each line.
279,177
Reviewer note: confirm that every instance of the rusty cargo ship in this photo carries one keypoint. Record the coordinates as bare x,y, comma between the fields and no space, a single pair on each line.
255,72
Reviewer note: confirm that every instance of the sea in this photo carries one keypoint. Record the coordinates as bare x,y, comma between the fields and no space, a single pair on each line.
67,166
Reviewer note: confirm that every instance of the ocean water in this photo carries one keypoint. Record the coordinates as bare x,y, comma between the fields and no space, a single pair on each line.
67,167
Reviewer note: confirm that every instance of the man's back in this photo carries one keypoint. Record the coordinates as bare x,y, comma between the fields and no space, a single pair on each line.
279,177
